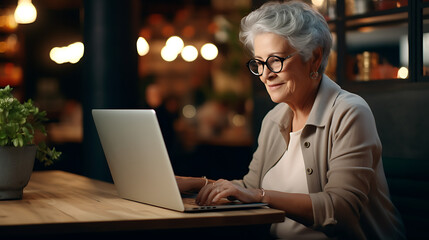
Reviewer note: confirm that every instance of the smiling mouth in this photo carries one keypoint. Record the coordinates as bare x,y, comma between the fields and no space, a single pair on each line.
275,85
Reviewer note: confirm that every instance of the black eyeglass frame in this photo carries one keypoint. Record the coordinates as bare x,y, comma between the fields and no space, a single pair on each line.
265,63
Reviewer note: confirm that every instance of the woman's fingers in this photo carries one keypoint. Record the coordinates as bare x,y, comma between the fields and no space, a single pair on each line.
215,191
212,193
203,194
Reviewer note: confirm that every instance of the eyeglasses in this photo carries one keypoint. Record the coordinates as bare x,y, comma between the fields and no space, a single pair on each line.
274,63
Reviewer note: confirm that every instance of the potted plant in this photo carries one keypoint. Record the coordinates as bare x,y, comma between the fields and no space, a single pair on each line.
19,123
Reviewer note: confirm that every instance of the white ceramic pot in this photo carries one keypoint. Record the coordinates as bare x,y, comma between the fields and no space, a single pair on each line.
16,166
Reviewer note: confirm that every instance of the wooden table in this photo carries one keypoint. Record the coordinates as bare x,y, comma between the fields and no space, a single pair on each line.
57,203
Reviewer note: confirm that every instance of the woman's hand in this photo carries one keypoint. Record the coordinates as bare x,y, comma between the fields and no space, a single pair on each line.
214,192
190,184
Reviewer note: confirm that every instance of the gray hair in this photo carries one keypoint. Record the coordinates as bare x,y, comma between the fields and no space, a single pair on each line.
303,27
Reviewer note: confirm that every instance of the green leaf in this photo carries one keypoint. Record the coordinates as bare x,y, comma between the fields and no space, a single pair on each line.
25,131
20,141
3,135
15,142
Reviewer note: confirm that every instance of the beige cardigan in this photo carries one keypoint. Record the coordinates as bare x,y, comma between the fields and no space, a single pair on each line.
342,155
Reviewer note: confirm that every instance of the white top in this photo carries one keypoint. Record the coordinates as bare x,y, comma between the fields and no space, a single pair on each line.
289,175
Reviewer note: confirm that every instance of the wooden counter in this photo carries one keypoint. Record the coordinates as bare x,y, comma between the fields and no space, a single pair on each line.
61,203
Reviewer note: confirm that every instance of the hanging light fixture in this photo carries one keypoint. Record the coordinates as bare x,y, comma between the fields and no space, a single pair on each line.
25,12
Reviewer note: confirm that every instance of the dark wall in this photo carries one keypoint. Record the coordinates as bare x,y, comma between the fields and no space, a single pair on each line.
402,117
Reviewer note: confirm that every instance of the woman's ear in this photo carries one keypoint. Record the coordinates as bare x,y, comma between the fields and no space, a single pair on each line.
316,61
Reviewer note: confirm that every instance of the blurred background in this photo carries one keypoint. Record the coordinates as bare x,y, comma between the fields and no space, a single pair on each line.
183,59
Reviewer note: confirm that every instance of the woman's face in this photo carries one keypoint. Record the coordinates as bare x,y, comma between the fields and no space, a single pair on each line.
292,84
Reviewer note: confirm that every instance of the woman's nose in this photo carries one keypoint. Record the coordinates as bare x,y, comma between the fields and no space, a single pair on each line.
267,75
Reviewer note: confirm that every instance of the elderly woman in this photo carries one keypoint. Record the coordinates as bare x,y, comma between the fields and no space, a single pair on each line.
318,155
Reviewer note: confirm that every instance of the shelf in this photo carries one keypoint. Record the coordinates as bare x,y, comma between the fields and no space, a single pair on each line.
377,86
377,81
381,32
378,18
381,35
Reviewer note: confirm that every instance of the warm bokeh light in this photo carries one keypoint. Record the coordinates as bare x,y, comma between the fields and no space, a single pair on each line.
167,30
188,31
189,53
317,3
142,46
403,73
175,46
239,120
25,12
189,111
209,51
71,53
175,43
7,20
3,47
168,53
75,52
9,45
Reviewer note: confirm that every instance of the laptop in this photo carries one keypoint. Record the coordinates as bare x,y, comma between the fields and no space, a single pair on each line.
139,163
